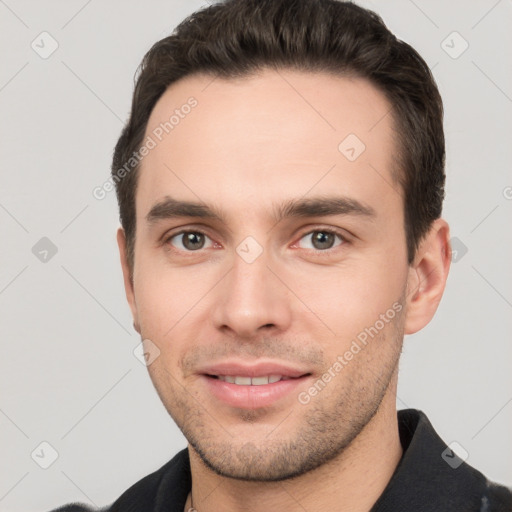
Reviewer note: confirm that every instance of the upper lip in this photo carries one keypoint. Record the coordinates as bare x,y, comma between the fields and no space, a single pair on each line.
255,369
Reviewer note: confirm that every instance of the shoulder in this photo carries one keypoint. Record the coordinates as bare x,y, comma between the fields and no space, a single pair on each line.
432,476
78,507
496,498
173,477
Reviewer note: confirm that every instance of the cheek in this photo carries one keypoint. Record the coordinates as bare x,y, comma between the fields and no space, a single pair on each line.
156,308
170,301
345,301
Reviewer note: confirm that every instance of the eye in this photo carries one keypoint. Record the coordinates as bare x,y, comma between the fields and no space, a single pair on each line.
321,240
190,241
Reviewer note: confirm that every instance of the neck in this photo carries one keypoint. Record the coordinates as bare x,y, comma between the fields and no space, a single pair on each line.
353,480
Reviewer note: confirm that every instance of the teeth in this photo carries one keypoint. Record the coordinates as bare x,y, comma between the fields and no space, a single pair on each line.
243,381
254,381
258,381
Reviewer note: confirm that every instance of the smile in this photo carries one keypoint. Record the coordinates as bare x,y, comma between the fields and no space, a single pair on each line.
250,381
252,392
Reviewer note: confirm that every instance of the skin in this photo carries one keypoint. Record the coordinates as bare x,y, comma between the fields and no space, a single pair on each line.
248,145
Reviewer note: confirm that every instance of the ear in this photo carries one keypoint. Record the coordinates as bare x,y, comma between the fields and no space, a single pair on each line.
128,281
427,276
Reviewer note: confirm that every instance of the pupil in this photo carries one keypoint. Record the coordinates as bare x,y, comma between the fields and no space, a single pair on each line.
322,240
193,241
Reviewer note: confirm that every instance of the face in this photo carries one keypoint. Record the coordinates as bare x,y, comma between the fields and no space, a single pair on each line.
270,266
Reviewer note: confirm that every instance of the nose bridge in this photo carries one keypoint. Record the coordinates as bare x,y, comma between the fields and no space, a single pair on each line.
251,297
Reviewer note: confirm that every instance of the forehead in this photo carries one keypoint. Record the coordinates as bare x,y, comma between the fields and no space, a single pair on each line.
266,137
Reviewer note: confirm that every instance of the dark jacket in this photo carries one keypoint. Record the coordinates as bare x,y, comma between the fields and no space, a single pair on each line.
429,478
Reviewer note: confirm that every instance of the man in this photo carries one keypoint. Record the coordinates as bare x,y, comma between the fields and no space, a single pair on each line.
280,183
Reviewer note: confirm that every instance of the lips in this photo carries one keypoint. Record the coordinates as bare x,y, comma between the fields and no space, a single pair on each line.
251,386
258,369
251,381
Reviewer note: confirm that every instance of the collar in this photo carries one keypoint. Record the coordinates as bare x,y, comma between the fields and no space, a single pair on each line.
423,479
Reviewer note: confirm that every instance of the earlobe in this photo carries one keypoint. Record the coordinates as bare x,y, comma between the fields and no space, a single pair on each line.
127,277
427,277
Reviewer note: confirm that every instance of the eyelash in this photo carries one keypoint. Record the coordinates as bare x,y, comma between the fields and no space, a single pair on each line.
316,252
319,252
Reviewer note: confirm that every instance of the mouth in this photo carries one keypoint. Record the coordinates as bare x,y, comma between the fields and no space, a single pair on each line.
252,386
262,380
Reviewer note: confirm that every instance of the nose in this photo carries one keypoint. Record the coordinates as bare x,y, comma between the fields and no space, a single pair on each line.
251,300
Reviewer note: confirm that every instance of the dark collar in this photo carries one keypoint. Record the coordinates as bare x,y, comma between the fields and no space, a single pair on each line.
429,478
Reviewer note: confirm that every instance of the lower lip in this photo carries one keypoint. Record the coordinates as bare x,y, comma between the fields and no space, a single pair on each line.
251,397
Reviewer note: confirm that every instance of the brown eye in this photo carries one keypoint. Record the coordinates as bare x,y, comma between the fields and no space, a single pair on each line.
189,241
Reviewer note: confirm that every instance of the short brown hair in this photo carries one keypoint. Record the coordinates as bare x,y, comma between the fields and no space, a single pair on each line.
238,37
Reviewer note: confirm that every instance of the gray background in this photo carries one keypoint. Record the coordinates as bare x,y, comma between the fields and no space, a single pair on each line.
68,373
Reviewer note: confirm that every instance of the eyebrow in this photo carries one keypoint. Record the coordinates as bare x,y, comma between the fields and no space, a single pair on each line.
170,208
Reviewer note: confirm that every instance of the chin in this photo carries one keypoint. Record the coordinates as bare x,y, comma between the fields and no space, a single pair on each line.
270,461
